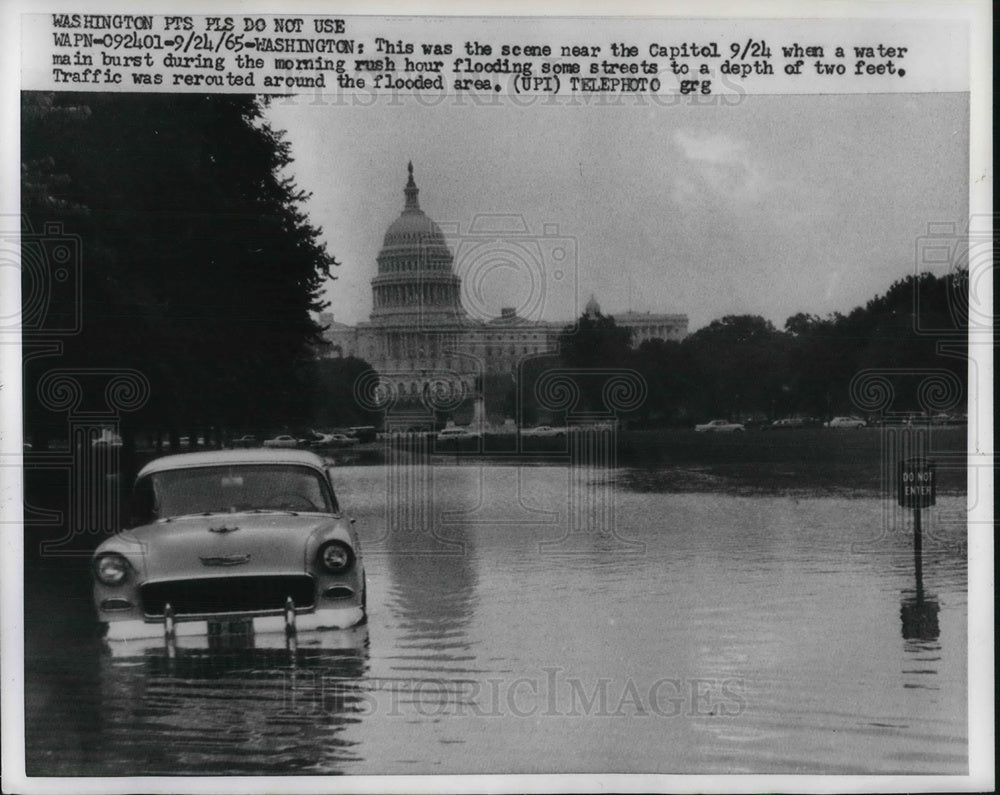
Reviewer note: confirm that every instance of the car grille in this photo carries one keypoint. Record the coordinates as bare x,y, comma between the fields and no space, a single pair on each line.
227,594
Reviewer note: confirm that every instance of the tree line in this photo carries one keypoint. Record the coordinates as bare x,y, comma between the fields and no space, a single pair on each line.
742,367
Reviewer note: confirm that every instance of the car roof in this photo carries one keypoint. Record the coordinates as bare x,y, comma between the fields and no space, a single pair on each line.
229,457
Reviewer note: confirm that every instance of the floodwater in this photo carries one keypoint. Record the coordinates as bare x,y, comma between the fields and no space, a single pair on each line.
543,619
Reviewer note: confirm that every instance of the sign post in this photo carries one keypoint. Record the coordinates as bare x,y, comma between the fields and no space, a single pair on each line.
916,488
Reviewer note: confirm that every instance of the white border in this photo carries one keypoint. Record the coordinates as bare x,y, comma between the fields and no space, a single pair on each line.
981,663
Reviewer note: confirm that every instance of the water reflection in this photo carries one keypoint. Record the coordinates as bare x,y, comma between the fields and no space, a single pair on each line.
243,704
774,647
433,595
431,602
918,613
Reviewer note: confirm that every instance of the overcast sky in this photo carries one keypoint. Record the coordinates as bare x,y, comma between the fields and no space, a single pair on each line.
771,206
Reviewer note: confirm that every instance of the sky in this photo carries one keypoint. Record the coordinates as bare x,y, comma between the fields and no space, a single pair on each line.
767,205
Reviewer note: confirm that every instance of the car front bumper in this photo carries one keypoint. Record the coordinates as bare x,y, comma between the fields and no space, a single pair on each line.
324,618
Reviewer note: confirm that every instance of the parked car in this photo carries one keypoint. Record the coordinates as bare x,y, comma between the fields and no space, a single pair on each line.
846,422
456,432
720,426
247,440
786,423
363,433
332,440
949,419
545,431
284,441
251,537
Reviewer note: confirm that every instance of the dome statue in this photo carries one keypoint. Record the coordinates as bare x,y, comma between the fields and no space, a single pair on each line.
415,283
414,237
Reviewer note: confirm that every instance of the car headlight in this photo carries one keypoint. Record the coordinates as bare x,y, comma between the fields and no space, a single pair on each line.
335,556
111,569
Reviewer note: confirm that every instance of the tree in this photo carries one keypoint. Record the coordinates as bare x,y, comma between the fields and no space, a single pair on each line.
743,363
672,382
335,383
596,341
199,266
919,323
595,346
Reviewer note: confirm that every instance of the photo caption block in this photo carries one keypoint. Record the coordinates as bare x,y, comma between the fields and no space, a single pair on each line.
536,57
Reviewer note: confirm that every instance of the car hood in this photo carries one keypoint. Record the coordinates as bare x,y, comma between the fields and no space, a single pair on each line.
234,543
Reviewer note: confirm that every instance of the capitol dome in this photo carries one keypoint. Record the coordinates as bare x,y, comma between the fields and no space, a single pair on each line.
413,241
413,226
415,276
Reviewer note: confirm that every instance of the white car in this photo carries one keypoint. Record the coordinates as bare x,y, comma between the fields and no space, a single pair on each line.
720,426
457,433
334,440
284,441
846,422
253,537
544,430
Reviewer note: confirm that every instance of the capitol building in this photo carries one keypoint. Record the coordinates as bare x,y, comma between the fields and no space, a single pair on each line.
419,335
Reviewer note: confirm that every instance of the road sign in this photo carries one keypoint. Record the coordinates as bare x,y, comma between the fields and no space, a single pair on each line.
916,484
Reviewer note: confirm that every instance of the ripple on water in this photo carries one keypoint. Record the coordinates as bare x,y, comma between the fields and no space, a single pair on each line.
701,632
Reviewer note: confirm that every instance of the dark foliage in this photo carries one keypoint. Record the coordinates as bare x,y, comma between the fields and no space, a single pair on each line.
199,267
334,383
742,367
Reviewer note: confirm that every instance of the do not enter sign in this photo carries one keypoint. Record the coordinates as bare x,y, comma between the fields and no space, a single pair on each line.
916,483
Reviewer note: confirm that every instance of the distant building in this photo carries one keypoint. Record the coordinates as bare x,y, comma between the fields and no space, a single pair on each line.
419,335
646,326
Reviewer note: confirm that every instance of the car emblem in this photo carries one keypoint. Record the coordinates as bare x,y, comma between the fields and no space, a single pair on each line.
223,529
226,560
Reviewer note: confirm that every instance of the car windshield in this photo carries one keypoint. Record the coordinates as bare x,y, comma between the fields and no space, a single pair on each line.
227,489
